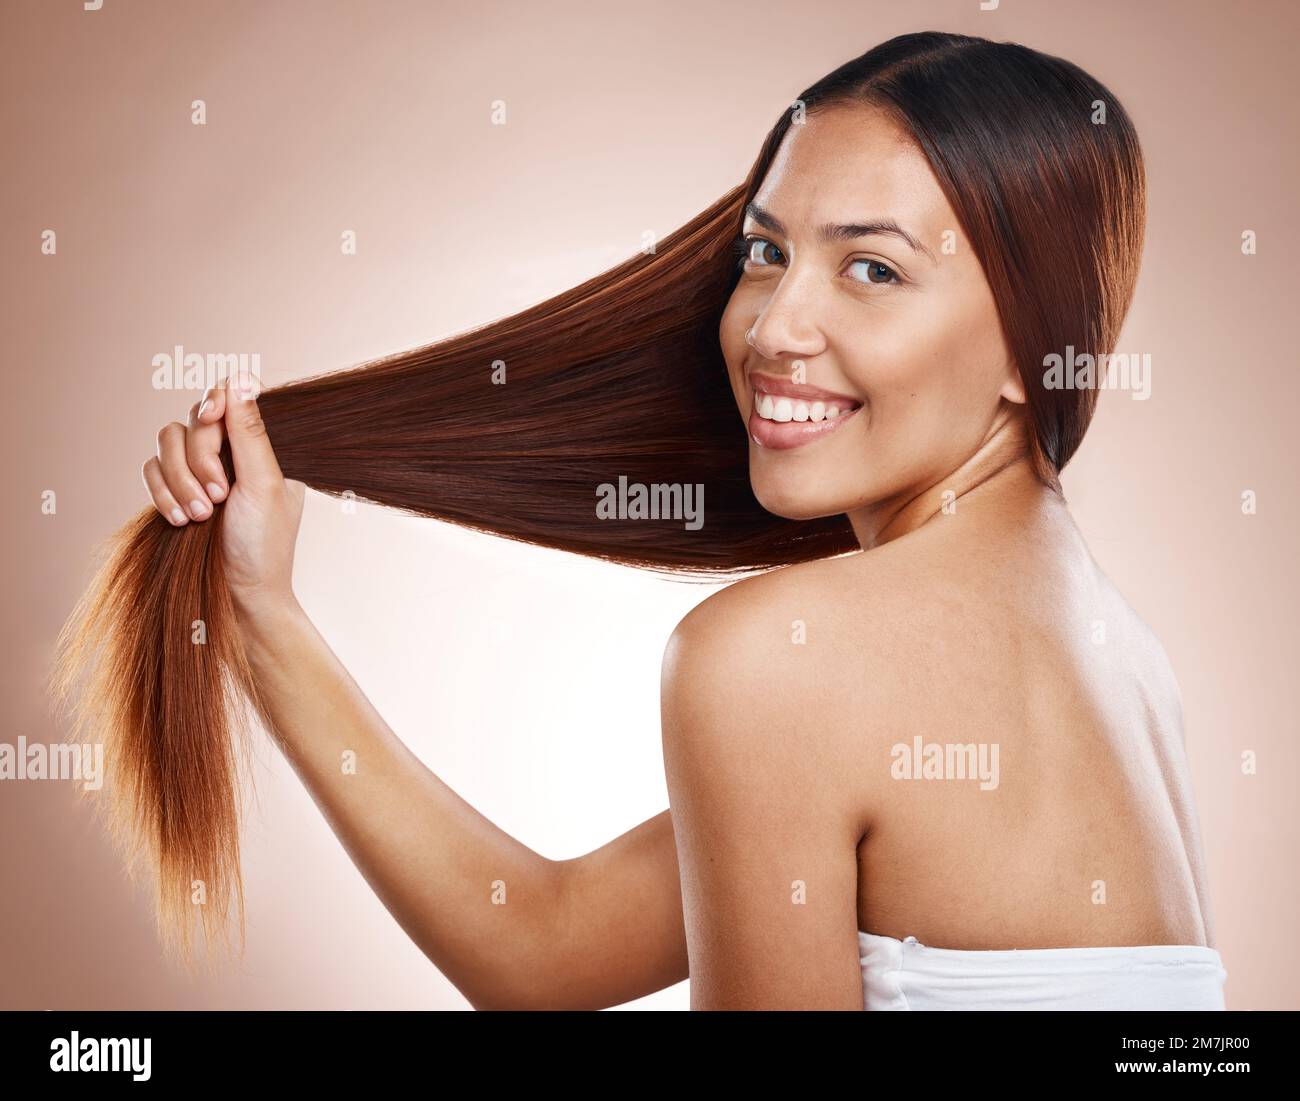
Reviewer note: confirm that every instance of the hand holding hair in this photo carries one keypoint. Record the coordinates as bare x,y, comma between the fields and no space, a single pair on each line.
262,510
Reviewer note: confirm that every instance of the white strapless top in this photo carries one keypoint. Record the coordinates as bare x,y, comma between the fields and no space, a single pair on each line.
905,974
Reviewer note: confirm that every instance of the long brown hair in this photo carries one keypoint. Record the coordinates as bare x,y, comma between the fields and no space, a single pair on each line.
511,427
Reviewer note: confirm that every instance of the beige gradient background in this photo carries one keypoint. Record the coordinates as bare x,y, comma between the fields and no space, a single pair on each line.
528,679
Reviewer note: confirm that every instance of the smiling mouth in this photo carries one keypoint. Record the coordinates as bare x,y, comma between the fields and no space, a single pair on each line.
782,409
785,415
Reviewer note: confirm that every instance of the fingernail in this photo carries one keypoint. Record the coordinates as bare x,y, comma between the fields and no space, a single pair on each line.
215,491
245,384
198,509
178,517
207,403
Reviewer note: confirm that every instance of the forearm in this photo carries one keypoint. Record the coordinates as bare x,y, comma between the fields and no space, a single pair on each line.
482,906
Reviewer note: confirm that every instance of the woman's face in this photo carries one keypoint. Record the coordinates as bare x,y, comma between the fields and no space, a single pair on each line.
886,320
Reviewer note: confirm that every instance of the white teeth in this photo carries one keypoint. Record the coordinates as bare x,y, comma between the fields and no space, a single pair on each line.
786,409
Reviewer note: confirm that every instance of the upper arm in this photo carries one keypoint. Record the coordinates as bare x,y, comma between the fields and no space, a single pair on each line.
619,930
764,810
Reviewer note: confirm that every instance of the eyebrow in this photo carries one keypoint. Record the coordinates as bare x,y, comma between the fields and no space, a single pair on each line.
849,232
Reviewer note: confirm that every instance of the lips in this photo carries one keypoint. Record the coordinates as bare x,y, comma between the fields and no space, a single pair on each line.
783,387
787,414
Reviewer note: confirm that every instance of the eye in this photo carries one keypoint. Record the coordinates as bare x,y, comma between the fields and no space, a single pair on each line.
757,251
876,272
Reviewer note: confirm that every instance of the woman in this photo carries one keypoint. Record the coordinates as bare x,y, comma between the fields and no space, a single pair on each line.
933,761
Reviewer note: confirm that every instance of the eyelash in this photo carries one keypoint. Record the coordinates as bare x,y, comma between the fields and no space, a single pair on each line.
742,246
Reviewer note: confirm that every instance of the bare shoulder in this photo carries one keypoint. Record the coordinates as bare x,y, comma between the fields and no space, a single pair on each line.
1145,655
823,619
790,668
751,625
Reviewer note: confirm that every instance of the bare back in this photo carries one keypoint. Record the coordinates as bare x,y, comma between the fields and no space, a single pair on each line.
1062,813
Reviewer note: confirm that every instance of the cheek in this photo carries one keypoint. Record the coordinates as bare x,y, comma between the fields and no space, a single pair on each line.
932,387
943,349
731,337
895,364
731,331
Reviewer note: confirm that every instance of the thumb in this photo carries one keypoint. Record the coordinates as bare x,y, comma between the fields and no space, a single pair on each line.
256,467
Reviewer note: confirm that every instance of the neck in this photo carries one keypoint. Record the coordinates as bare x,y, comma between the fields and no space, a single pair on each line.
1002,461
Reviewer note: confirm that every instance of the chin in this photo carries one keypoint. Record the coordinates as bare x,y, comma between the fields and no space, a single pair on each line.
796,498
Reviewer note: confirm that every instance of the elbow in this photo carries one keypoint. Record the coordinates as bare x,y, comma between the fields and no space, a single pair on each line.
529,966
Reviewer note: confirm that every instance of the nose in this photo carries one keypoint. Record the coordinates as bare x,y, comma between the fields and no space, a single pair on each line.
784,327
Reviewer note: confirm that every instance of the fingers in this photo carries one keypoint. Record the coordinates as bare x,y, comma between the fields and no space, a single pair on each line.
182,483
163,500
206,430
212,407
256,467
186,476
